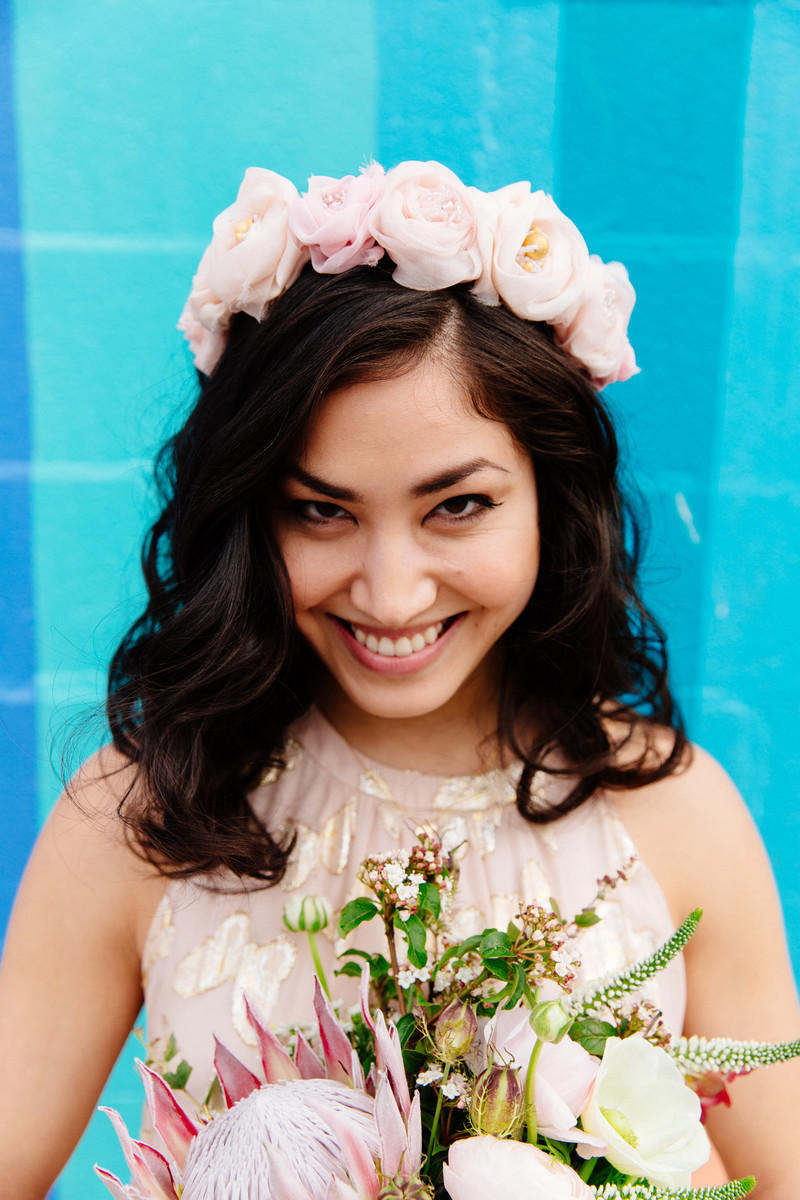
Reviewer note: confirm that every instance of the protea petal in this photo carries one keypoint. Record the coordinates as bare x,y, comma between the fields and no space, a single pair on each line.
392,1132
307,1062
117,1188
359,1162
276,1062
176,1130
366,1014
335,1042
236,1079
414,1129
149,1168
390,1059
372,1080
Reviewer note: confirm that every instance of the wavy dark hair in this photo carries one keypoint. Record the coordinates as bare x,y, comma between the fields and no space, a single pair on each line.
206,682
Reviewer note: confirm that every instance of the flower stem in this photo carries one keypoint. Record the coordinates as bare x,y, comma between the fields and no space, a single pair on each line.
438,1112
530,1085
312,945
401,1000
587,1169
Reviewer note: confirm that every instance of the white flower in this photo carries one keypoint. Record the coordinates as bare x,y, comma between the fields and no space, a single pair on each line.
456,1086
394,873
645,1113
430,1075
478,1167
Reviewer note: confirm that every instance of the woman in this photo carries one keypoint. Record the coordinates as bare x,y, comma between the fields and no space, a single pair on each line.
392,580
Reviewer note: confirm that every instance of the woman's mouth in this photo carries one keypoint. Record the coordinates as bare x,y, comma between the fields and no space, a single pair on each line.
403,651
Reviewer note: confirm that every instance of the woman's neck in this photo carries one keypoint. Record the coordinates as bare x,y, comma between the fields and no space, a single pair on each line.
457,739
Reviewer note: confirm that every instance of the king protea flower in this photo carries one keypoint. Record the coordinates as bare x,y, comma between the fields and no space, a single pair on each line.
312,1131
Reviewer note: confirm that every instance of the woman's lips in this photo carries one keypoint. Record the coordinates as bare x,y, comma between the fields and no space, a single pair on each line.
396,652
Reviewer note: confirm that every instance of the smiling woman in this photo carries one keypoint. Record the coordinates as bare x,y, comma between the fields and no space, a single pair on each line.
404,593
392,583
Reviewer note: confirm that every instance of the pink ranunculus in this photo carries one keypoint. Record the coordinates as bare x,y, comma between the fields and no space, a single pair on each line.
540,280
252,256
595,331
426,221
204,320
478,1167
565,1075
332,220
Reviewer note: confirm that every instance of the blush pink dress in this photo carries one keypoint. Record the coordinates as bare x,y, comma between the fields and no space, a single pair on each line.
206,947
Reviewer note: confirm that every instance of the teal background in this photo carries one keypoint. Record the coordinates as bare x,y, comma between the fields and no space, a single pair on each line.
667,129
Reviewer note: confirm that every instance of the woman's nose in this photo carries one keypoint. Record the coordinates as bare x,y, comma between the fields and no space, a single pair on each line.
396,584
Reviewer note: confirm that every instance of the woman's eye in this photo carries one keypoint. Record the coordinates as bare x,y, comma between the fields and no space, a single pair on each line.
318,511
463,507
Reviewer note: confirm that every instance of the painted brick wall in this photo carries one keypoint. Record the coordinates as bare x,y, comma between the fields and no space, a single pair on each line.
666,129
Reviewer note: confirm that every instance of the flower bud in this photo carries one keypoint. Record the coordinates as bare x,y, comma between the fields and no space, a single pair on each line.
549,1021
497,1102
306,913
455,1030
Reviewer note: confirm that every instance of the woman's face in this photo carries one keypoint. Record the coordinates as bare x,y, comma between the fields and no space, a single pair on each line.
409,531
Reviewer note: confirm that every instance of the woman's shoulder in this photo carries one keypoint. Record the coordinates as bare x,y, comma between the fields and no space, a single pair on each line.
695,831
86,845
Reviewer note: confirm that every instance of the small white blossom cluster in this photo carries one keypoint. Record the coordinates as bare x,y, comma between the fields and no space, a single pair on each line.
550,947
449,976
408,975
456,1087
396,878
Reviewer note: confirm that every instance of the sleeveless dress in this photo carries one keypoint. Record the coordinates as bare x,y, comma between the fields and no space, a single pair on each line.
210,941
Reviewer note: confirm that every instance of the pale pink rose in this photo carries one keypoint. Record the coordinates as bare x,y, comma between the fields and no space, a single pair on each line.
478,1167
426,221
488,206
204,320
332,219
540,281
595,331
252,256
565,1075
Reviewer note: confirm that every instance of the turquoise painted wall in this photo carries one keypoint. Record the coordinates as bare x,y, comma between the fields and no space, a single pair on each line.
665,128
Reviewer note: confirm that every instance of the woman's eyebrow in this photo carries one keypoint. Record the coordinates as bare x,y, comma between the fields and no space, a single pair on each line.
448,479
427,487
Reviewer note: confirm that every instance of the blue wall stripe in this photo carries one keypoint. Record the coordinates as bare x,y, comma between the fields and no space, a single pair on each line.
471,85
17,710
661,145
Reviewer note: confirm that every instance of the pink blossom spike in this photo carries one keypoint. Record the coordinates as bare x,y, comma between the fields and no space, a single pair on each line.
117,1188
392,1132
390,1059
176,1130
366,1014
283,1180
357,1157
236,1079
306,1061
275,1060
335,1043
414,1127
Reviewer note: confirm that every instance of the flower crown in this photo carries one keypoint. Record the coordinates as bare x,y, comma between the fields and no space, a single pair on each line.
515,245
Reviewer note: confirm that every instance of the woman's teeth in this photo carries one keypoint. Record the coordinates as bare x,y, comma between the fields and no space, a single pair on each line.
403,646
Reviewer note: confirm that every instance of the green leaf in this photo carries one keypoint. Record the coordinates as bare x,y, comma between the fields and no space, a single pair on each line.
355,912
351,969
430,903
172,1048
498,967
405,1027
495,944
586,919
414,932
512,931
519,983
179,1078
592,1033
469,944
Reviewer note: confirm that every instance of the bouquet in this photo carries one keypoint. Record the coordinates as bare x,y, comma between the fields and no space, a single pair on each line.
472,1069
